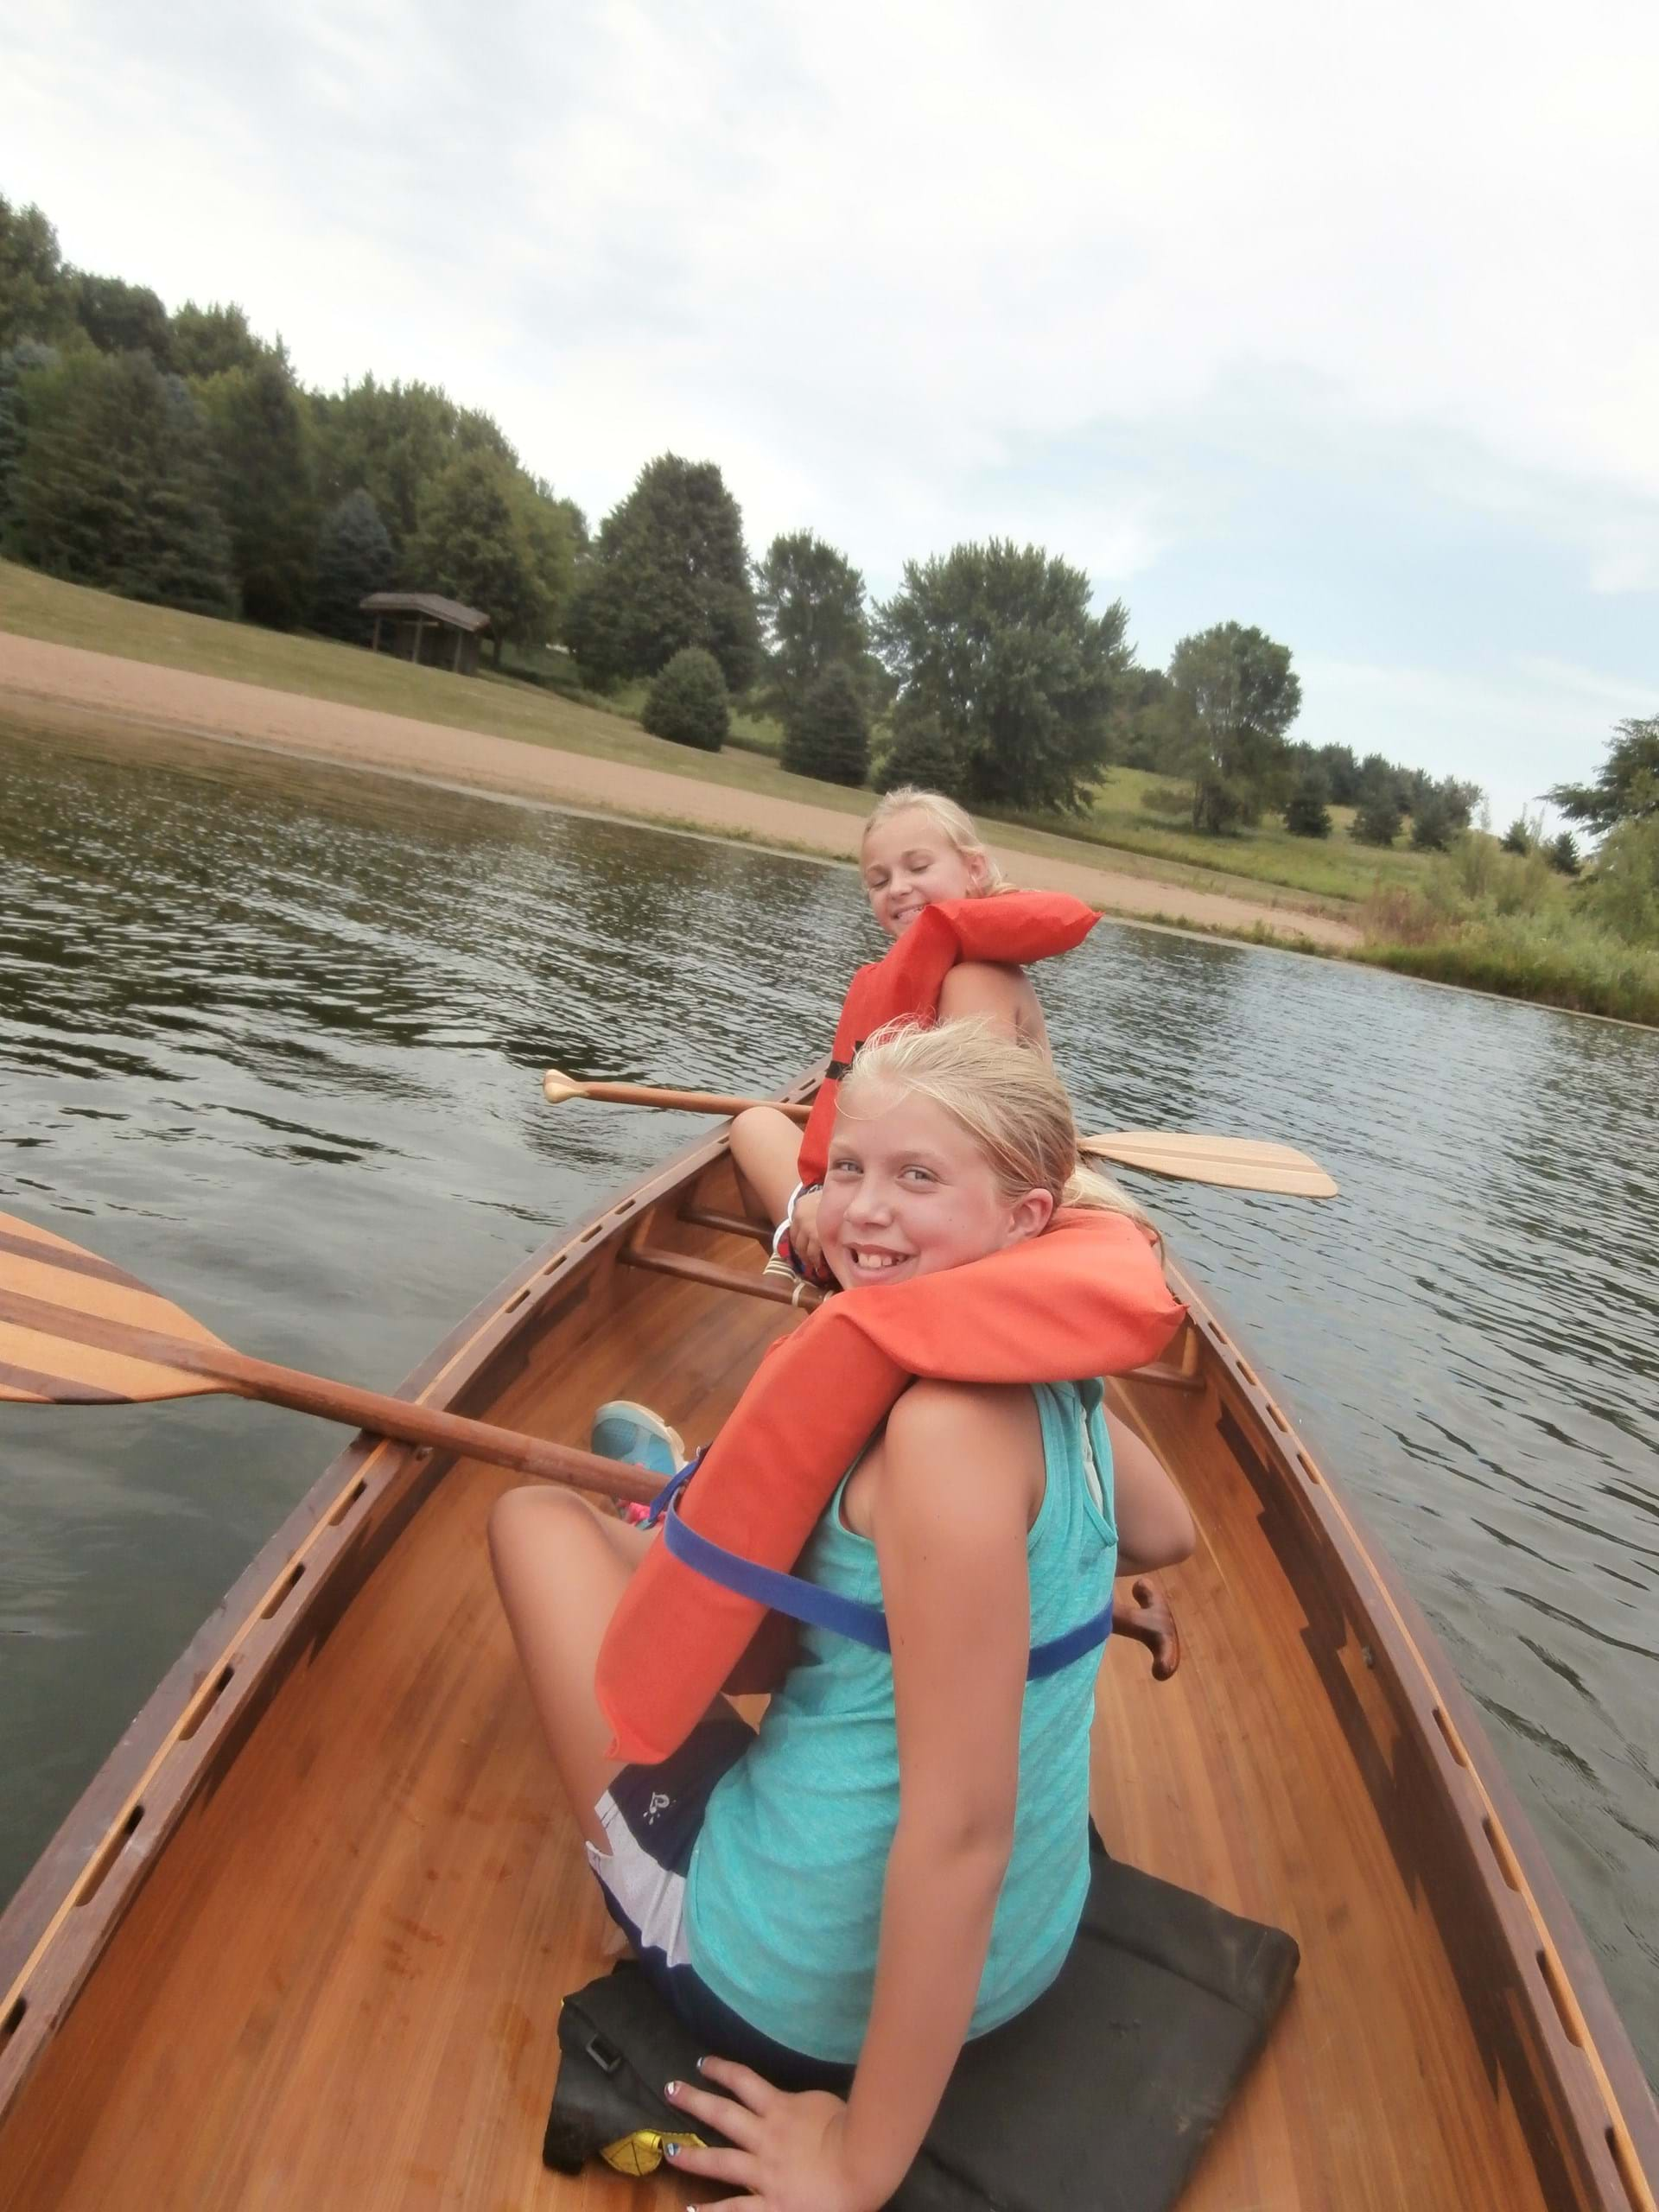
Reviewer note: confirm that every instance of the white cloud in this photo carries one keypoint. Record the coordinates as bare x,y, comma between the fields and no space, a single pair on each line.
874,258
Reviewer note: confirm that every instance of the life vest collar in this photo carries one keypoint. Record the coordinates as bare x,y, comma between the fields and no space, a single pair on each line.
1009,930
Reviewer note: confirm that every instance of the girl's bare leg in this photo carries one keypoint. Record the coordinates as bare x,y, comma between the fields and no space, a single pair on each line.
561,1566
766,1145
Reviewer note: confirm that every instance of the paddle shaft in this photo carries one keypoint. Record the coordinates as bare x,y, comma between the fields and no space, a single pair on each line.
685,1102
244,1376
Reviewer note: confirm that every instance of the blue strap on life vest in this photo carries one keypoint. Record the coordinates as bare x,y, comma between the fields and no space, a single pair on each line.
820,1608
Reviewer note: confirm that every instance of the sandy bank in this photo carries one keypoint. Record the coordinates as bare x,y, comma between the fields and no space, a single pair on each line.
51,686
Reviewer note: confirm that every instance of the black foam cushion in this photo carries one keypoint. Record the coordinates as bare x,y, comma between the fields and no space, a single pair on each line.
1098,2098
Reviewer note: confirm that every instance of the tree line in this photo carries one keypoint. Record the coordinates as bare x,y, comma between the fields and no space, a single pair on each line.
175,457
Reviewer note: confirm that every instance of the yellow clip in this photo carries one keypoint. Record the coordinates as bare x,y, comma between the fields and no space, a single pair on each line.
642,2151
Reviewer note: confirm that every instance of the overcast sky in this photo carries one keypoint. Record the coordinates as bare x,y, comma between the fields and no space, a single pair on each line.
1340,321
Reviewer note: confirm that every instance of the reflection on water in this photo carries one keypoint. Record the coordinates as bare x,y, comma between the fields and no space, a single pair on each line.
270,1037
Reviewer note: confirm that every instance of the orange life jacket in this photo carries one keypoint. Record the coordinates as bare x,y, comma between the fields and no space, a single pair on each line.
1085,1298
1010,929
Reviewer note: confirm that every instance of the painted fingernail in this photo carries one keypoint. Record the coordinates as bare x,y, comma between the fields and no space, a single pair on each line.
672,2090
702,2066
670,2149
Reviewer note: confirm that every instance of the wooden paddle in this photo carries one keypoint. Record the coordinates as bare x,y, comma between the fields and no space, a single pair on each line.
76,1331
1240,1163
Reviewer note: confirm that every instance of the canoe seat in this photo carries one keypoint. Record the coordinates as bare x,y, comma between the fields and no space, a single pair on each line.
1104,2091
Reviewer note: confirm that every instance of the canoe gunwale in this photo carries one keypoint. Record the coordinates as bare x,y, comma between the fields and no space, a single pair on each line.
194,1721
1607,2106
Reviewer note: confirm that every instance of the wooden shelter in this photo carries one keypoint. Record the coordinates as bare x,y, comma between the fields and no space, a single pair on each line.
421,626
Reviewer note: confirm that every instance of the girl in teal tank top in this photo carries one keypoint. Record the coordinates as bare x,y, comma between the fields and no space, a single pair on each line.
899,1861
783,1896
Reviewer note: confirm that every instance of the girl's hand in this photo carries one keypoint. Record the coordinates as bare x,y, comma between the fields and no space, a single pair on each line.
790,2154
804,1229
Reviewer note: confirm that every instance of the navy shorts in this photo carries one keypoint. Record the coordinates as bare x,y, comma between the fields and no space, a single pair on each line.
652,1816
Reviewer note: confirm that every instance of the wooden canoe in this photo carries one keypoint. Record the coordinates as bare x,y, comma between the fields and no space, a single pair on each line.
301,1943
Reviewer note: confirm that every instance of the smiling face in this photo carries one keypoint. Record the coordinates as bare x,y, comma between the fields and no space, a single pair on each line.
908,863
908,1192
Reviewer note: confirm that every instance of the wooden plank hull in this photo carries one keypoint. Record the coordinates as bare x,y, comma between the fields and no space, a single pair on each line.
303,1942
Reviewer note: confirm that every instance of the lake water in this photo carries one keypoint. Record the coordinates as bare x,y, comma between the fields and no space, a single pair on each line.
270,1037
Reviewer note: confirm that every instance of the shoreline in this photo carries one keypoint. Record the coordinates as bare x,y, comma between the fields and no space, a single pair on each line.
49,687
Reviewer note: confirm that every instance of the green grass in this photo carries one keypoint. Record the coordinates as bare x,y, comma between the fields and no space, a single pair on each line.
1326,868
41,607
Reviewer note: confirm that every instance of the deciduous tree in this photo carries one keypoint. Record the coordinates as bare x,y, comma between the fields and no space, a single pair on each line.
997,645
122,318
207,341
118,485
1244,695
35,299
480,543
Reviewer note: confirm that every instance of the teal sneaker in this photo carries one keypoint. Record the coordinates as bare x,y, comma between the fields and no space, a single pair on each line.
623,1430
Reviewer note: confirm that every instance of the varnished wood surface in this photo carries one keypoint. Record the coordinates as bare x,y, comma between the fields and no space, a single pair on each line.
340,1984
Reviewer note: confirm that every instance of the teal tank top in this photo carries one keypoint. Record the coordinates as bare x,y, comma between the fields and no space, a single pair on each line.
784,1892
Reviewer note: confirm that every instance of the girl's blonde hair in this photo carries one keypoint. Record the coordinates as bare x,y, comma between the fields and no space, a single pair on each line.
1006,1096
954,822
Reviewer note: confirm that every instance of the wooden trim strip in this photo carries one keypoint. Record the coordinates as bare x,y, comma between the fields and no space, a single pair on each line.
1323,1500
50,1389
74,1262
507,1309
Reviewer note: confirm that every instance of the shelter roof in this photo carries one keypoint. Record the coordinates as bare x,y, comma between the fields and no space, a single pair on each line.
430,603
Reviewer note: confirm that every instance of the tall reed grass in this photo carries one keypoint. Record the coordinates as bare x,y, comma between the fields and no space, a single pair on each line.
1509,922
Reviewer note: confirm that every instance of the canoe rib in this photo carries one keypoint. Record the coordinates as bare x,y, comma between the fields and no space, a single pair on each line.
1303,1652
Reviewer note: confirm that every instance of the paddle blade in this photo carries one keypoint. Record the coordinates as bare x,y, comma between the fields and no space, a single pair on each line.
556,1087
1240,1163
76,1331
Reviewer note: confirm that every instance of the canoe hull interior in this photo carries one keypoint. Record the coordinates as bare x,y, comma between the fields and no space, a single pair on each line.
322,1964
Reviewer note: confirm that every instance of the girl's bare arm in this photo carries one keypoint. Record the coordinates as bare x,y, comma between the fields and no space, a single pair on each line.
962,1472
1154,1527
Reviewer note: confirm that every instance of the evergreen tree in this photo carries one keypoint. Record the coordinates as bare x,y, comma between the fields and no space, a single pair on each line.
1518,837
118,484
669,571
827,732
1433,823
687,701
1306,814
122,318
996,644
354,557
1562,853
811,605
1377,822
1626,786
268,488
35,298
1244,697
1341,773
920,756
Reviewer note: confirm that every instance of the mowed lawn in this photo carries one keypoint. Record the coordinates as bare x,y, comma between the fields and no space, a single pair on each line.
1332,875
